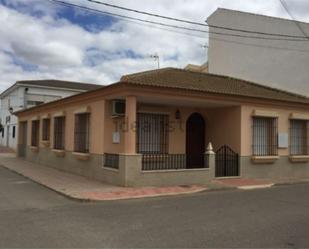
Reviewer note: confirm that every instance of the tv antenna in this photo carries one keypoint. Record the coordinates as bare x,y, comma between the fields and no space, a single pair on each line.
156,57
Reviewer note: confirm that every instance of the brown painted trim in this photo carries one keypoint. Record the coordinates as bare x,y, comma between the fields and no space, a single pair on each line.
126,88
236,99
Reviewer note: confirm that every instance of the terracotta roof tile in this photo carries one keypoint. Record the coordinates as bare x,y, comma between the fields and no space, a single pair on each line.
210,83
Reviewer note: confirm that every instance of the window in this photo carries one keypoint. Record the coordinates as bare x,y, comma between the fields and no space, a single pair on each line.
298,137
81,133
59,133
265,136
46,129
152,133
34,103
14,130
35,131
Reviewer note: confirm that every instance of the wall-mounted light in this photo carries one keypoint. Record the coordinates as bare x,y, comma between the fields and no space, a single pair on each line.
177,115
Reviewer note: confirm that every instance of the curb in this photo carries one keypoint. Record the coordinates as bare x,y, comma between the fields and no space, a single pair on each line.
85,199
150,196
251,187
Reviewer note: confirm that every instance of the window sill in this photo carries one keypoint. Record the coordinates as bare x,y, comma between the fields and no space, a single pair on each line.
264,159
46,143
110,169
34,148
59,153
299,158
81,156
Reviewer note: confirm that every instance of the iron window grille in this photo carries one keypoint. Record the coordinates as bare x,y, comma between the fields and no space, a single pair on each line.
111,161
59,133
81,133
35,129
298,137
46,129
265,136
152,133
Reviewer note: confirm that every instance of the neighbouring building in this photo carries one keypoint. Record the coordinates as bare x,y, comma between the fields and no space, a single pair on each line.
152,128
277,61
26,94
196,68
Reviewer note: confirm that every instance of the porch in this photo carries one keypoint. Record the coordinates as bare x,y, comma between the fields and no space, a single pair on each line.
166,138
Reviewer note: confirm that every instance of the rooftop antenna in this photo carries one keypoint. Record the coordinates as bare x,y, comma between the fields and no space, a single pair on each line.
204,46
156,57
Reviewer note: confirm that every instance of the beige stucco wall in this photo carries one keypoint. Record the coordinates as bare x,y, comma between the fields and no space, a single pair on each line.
222,126
283,124
96,108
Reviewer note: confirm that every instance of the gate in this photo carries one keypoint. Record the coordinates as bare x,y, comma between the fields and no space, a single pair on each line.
227,162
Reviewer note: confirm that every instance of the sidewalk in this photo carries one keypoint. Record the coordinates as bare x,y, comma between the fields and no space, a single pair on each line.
81,188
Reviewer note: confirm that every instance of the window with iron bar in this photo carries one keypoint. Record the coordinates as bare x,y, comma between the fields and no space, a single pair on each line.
152,133
59,133
35,131
81,133
14,132
265,136
298,137
46,129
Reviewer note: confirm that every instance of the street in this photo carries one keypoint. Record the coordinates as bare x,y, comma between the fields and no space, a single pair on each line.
33,216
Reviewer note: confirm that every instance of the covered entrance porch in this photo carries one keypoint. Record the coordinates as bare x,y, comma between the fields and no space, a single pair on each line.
170,138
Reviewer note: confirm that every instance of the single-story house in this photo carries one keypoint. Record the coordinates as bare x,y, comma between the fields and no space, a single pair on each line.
153,128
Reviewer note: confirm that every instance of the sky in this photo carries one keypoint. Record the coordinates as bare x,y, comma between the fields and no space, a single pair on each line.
42,40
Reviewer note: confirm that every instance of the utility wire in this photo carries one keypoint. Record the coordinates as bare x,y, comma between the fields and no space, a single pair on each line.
285,6
127,19
191,22
172,26
245,43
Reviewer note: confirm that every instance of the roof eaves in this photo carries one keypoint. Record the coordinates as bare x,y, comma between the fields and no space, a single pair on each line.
226,93
9,89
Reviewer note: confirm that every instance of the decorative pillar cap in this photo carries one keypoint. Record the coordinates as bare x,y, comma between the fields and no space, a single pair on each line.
210,149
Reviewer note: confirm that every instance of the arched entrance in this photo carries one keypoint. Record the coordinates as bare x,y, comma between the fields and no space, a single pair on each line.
195,141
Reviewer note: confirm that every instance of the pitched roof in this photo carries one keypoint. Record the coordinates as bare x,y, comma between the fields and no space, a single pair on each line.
61,84
70,85
210,83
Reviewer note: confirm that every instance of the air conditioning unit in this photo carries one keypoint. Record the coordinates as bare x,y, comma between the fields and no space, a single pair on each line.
118,108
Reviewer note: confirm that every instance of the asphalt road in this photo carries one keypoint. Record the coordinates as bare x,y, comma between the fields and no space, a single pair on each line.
33,216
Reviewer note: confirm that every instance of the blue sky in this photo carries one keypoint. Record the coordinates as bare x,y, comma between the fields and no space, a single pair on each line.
41,40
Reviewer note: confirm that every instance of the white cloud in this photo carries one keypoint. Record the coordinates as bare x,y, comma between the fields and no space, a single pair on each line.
59,49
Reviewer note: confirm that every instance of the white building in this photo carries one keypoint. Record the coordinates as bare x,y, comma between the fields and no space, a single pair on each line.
25,94
276,61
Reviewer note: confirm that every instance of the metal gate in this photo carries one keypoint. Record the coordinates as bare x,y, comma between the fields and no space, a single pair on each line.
227,162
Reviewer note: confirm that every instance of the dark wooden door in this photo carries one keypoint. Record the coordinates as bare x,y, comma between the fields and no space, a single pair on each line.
195,141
